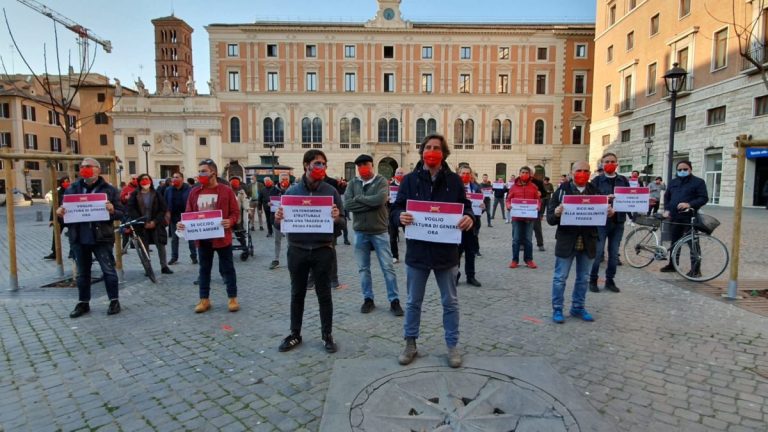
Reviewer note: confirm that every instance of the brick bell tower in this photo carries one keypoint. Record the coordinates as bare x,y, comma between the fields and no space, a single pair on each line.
173,53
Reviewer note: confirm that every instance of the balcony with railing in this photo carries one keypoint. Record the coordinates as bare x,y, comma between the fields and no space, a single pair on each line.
624,107
758,53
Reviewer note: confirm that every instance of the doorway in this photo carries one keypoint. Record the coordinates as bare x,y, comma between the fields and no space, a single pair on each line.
761,181
387,167
167,171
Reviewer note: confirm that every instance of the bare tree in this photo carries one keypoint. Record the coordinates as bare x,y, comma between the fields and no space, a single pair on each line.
747,25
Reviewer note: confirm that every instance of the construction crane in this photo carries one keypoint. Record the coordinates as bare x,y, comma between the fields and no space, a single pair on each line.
83,33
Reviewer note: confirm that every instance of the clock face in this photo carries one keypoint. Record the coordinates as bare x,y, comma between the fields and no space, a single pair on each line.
389,14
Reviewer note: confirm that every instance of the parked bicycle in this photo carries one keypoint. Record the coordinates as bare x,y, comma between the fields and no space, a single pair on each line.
697,256
128,228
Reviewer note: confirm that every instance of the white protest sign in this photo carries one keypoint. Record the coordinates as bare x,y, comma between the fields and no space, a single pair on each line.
498,185
433,221
487,192
393,193
202,225
524,208
85,208
306,214
477,201
631,199
587,210
274,204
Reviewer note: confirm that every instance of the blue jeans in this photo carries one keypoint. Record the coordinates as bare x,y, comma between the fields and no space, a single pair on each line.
522,231
175,244
380,243
417,284
612,233
562,269
226,268
84,254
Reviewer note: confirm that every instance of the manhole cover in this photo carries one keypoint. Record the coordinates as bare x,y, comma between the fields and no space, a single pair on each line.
444,399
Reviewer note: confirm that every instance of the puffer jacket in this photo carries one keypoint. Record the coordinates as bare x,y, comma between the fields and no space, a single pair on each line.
523,191
691,190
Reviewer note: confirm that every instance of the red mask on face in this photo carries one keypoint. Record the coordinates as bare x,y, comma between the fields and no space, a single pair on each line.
317,173
365,171
65,184
203,179
268,183
284,184
176,182
433,158
235,183
399,178
465,178
86,172
610,167
145,182
581,178
133,183
524,177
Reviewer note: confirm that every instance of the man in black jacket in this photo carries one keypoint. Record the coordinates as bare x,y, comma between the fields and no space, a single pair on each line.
574,242
683,192
89,239
431,180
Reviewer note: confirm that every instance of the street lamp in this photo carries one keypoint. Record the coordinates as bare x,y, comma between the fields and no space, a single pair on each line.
674,80
145,146
26,179
272,150
648,146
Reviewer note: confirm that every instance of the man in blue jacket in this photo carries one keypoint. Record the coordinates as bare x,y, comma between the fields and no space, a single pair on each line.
683,192
432,180
613,230
176,198
89,239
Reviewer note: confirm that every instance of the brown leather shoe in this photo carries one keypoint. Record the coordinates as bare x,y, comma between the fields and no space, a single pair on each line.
203,305
233,305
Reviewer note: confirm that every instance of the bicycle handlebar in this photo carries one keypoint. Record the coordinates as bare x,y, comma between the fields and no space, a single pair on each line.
137,221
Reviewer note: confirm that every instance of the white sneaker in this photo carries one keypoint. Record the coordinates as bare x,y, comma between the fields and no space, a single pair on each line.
395,260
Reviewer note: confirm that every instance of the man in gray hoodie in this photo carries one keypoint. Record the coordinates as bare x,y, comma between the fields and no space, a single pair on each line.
366,198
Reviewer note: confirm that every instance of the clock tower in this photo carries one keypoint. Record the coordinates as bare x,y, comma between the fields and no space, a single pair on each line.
388,16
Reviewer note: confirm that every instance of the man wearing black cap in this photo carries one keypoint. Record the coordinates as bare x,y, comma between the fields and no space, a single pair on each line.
366,198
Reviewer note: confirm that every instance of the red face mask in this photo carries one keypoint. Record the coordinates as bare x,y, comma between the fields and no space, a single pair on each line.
145,182
609,167
524,177
581,178
268,183
176,182
65,184
235,183
465,178
203,179
399,178
134,183
365,171
317,173
86,172
284,184
433,158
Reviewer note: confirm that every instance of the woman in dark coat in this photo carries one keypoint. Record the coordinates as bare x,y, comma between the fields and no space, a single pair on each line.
146,201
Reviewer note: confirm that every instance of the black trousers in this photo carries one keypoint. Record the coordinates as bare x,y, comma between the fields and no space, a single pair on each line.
300,263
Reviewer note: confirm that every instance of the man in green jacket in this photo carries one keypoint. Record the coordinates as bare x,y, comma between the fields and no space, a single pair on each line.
366,198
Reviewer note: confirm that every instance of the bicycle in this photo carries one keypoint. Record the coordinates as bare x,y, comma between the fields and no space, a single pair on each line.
138,244
697,256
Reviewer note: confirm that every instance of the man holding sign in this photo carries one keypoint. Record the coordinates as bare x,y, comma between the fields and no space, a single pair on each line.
432,181
311,250
90,205
217,203
576,241
613,230
523,205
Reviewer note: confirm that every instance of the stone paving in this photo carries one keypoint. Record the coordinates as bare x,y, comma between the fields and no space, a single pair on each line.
658,358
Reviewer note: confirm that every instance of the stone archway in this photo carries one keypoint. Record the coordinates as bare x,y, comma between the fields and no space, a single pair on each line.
387,167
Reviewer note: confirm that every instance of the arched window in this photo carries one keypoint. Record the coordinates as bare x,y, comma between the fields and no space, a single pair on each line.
269,131
344,130
382,130
431,126
538,135
393,130
458,131
506,132
279,130
306,130
317,130
388,130
421,130
469,131
501,171
496,132
354,131
234,130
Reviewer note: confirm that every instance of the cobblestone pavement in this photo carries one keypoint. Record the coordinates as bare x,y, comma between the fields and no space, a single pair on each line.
658,358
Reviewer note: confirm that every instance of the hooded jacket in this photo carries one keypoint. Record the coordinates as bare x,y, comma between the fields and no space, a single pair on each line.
446,187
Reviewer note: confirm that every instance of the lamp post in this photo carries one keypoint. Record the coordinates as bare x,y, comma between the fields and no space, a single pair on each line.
145,146
674,80
26,180
272,150
648,146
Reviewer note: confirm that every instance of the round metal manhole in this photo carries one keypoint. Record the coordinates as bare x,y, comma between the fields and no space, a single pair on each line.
440,399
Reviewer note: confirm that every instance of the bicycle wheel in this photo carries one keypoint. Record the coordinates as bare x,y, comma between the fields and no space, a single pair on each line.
141,250
700,257
640,247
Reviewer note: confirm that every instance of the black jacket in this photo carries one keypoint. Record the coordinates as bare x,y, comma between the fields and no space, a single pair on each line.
135,209
691,190
418,185
95,232
566,235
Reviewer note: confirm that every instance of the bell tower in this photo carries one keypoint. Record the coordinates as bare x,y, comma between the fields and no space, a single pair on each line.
173,53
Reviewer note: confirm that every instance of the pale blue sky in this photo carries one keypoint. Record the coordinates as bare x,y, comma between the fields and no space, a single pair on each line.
127,25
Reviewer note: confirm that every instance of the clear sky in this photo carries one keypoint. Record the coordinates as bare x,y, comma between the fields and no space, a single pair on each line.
127,25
